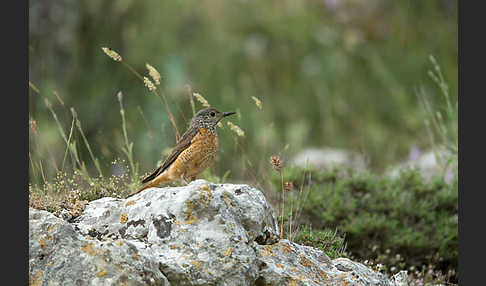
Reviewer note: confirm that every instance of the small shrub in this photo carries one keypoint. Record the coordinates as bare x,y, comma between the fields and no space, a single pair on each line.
406,215
326,240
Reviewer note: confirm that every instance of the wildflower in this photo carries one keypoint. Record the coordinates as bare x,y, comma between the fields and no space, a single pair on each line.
276,163
153,73
236,129
257,102
112,54
149,84
201,99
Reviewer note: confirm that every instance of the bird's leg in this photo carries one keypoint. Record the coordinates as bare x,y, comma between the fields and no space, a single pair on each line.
183,179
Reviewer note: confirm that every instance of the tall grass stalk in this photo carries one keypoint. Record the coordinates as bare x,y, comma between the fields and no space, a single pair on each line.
162,100
283,205
128,148
67,145
441,124
78,124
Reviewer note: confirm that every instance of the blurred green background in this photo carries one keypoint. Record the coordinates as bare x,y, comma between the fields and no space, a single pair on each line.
337,73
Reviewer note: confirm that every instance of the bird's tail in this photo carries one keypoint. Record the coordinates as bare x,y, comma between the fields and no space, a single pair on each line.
161,179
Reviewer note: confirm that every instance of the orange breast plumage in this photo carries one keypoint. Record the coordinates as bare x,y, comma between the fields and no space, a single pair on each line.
199,155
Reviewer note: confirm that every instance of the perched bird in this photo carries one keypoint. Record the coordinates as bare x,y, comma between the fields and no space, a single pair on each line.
193,153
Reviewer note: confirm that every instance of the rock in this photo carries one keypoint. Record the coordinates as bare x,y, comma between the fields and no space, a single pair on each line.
287,263
199,234
59,255
401,278
430,164
328,158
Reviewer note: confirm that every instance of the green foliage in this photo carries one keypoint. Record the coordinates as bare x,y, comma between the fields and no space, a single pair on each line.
406,215
326,240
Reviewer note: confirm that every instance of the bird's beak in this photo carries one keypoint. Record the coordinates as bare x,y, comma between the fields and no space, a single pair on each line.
228,113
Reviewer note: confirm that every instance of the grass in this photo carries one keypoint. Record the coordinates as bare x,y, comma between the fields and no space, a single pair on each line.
326,240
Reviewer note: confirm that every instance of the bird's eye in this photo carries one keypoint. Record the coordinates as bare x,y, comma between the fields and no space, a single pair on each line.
213,114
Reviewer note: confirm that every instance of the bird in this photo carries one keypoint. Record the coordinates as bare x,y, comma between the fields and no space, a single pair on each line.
193,152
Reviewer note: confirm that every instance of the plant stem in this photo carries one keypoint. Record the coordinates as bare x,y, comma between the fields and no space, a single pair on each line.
283,206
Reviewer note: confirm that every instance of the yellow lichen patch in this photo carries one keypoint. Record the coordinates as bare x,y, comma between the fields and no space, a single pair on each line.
279,265
119,242
101,273
306,262
285,247
266,251
227,252
43,241
227,200
135,256
195,263
206,194
301,277
129,203
89,249
51,229
37,281
191,215
292,283
322,274
228,266
123,218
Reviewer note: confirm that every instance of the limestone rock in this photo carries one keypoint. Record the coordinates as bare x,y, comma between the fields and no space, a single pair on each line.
59,255
199,234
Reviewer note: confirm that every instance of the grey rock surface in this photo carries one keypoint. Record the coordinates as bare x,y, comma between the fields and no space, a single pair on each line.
199,234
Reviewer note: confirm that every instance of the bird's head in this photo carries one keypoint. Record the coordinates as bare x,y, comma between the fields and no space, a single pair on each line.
209,117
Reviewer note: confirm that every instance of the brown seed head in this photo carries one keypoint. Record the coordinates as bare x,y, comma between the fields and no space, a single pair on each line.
276,163
289,186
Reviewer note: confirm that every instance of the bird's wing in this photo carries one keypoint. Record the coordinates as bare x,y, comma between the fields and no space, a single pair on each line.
181,145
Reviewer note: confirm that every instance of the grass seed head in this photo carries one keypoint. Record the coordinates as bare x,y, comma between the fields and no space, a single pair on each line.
154,74
236,129
258,102
201,99
112,54
149,84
